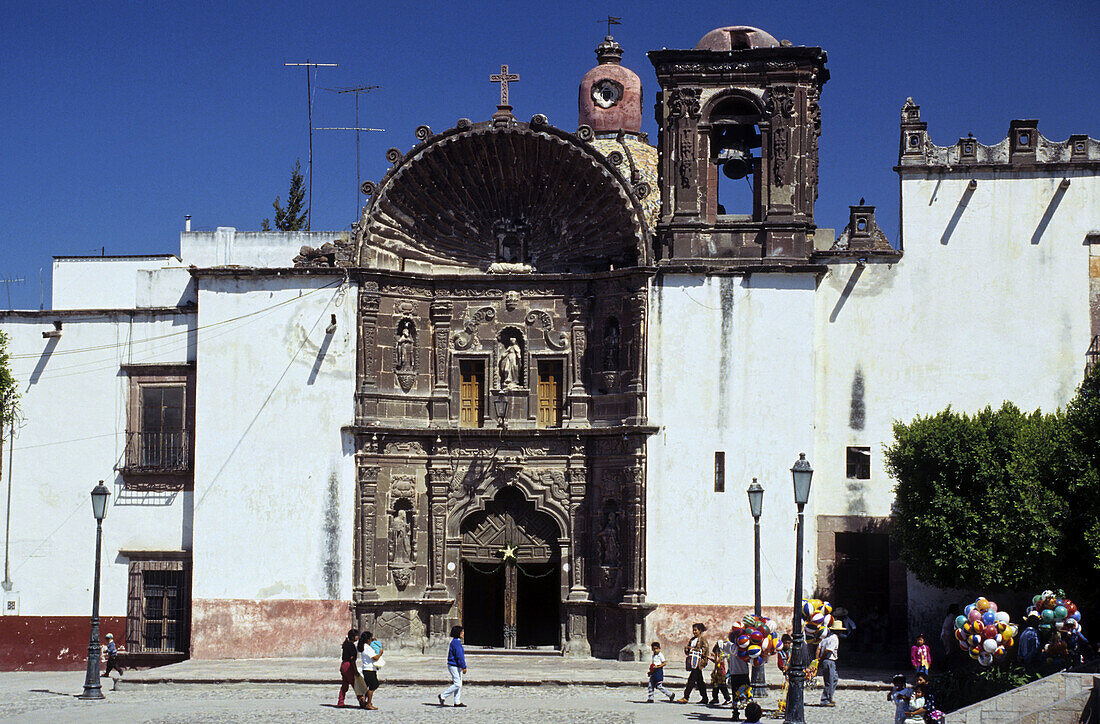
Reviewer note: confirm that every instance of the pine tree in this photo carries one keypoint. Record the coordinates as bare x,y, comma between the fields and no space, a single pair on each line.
294,217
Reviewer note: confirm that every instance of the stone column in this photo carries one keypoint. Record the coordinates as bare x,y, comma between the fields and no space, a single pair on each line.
368,490
441,311
634,504
368,315
578,399
438,485
578,487
639,302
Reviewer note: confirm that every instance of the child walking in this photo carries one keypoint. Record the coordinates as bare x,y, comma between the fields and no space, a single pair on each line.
657,674
920,656
718,675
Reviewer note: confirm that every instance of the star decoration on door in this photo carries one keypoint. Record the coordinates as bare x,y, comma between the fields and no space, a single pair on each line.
508,552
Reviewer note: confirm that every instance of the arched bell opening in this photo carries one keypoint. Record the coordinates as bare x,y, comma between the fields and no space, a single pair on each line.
511,588
734,136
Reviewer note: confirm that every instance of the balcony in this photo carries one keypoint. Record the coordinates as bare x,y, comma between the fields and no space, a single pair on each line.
1092,357
158,452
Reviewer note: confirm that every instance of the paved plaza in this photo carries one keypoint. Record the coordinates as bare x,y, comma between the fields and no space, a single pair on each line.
304,690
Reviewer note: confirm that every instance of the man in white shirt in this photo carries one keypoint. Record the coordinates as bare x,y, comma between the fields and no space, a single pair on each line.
827,652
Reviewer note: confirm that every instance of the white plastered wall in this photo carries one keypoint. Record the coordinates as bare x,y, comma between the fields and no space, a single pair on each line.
989,303
71,435
274,477
730,368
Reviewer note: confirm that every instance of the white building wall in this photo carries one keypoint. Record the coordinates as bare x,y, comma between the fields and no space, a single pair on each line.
730,368
227,246
71,435
989,303
111,282
274,474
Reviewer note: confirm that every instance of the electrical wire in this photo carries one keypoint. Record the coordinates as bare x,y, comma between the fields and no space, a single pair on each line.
101,347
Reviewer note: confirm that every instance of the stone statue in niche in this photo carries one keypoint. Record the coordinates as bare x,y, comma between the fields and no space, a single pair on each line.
510,363
607,541
405,343
400,537
611,345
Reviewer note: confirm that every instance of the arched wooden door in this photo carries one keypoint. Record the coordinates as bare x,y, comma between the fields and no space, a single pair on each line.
511,593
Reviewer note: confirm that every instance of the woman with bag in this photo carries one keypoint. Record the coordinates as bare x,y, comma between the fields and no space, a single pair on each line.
695,661
370,653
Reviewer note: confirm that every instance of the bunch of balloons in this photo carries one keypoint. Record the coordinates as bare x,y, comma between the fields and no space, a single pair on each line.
1056,612
756,638
817,616
985,632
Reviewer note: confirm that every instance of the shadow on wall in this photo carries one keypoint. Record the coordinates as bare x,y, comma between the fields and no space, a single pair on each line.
51,345
1059,194
857,271
964,201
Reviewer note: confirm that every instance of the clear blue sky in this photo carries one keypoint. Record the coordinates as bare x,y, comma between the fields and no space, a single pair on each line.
116,119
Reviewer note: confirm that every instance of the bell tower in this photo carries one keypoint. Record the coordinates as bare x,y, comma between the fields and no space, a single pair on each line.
739,122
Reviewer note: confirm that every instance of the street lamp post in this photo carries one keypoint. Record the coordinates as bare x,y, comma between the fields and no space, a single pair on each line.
801,474
92,690
500,407
756,506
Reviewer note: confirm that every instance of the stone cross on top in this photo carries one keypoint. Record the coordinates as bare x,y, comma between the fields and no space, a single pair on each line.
503,77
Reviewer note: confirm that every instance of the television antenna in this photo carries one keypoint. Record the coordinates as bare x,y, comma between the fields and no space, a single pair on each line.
356,90
9,281
309,116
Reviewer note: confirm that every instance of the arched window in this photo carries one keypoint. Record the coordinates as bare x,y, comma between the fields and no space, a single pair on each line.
734,135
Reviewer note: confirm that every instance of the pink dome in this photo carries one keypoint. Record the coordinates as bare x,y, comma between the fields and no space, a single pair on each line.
610,96
736,37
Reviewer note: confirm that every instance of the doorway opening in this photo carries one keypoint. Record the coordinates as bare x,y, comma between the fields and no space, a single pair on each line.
511,575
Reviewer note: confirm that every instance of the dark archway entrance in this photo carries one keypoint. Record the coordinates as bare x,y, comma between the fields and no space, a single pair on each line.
511,580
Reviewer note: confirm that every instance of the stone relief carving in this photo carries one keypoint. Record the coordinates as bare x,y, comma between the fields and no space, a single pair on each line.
607,540
401,540
686,165
780,154
511,299
405,354
683,103
467,338
404,447
554,340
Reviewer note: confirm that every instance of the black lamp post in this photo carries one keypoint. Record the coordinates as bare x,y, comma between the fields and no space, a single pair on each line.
500,407
100,493
801,474
756,506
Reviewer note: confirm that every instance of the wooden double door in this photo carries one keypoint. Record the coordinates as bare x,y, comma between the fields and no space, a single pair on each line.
511,580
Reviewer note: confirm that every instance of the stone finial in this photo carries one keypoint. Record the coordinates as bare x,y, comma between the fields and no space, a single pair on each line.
609,51
910,112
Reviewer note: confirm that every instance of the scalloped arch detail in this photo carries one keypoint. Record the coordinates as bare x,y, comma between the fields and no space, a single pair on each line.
486,193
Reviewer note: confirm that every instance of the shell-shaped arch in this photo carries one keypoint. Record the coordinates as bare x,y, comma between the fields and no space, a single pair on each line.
484,193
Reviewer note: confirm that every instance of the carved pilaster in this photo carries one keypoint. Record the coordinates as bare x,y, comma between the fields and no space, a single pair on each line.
639,302
439,479
633,493
368,316
368,491
684,154
578,486
441,312
577,310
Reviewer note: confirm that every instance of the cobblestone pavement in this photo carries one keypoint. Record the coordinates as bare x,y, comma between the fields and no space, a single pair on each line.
49,697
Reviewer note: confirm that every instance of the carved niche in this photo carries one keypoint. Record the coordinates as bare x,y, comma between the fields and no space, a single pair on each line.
401,514
405,354
609,545
511,355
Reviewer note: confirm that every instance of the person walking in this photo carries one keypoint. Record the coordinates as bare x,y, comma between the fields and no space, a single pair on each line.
370,653
1028,649
827,652
112,656
657,674
739,677
348,654
695,661
456,665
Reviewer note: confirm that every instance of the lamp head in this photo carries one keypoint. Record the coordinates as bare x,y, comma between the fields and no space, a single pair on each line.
756,499
500,405
801,473
100,493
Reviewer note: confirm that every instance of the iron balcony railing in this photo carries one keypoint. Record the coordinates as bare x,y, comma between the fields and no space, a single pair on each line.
1092,357
164,452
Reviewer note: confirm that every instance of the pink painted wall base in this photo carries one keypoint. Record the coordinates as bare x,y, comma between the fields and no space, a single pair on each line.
246,629
671,623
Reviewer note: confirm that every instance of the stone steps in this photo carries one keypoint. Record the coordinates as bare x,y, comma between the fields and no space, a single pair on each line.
1056,699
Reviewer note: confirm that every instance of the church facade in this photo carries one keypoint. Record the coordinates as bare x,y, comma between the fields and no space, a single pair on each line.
526,392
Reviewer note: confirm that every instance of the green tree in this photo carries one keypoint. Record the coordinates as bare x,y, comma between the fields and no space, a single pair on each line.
295,217
9,395
1001,499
